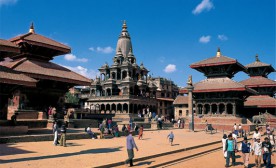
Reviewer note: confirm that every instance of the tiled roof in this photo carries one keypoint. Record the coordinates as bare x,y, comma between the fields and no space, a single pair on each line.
8,47
47,70
221,60
258,81
261,101
218,85
40,40
181,100
257,64
10,76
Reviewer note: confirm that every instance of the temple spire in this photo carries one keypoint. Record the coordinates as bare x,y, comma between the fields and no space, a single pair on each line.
124,26
257,58
218,52
31,30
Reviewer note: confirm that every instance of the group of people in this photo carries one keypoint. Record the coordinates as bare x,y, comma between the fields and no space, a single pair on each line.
62,130
257,148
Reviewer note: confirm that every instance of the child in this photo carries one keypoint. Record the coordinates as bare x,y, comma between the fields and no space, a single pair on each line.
171,137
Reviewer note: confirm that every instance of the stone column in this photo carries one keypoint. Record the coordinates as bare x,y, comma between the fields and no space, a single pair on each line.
234,109
210,109
128,108
203,109
225,104
218,108
190,89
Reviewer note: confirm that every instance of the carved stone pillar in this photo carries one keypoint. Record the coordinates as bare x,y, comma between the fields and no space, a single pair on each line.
234,109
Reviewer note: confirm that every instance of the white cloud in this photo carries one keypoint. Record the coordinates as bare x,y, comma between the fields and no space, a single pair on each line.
7,2
204,5
222,37
170,68
71,57
89,73
104,50
205,39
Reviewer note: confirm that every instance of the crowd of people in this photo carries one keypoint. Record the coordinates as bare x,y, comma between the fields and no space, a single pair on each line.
260,150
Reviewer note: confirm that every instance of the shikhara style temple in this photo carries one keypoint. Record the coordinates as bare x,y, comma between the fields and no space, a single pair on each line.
219,95
123,87
29,82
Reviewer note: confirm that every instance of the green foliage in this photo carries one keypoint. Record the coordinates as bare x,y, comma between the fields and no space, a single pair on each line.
71,99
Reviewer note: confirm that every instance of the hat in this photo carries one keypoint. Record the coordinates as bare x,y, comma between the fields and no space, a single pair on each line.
245,138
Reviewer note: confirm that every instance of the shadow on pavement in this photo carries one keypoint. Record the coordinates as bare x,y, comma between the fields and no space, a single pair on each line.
144,163
8,149
73,144
90,151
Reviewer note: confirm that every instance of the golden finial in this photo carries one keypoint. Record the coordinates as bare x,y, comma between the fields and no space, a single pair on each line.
218,52
31,30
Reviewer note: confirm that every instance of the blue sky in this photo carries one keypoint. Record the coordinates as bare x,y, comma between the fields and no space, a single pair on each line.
167,35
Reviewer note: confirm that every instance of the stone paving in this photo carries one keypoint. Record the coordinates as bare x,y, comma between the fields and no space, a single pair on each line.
95,152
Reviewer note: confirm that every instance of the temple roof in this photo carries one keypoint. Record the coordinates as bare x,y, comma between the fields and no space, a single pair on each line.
257,63
38,40
181,100
258,81
218,85
218,66
47,70
261,101
222,60
258,68
10,76
8,48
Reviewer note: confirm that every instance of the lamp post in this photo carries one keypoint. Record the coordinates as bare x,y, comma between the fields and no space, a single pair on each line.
190,89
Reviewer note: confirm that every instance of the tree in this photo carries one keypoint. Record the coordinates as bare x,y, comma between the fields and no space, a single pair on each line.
71,99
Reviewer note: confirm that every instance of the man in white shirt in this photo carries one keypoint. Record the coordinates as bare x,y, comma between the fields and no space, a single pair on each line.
257,151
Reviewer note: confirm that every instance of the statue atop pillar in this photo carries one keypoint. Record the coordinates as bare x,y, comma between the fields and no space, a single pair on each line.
190,81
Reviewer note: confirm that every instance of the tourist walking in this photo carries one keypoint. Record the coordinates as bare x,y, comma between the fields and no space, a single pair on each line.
130,123
178,122
257,151
63,135
171,137
141,130
55,131
267,152
240,131
272,139
230,147
235,127
224,138
245,148
256,135
109,123
130,145
268,131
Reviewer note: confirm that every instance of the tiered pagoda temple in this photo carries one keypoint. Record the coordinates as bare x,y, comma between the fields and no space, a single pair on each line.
123,87
219,95
10,79
31,55
266,88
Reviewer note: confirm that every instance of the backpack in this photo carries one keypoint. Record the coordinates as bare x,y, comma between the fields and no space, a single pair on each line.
245,147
